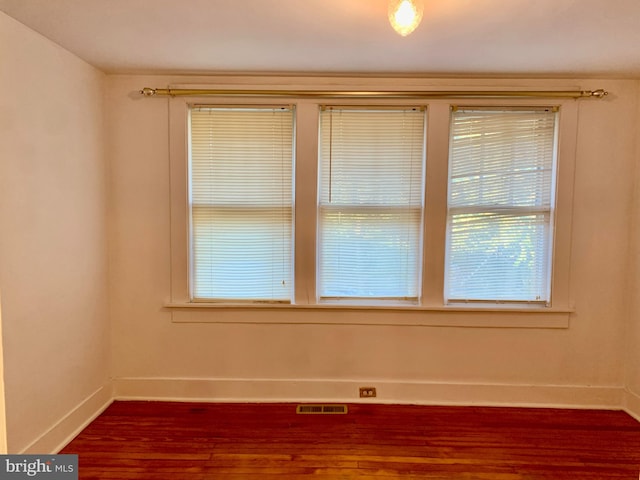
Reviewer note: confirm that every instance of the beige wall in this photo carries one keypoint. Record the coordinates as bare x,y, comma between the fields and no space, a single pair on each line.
53,239
633,345
153,357
3,416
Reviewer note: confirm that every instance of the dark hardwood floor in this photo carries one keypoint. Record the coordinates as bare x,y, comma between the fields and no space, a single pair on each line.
197,441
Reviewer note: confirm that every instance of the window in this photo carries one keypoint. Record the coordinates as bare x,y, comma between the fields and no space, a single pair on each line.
370,203
241,203
500,205
446,211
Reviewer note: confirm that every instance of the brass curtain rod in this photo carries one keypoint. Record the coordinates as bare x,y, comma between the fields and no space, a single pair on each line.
208,92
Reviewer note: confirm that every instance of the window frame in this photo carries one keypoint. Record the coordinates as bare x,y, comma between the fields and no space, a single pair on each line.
509,210
192,205
432,309
327,207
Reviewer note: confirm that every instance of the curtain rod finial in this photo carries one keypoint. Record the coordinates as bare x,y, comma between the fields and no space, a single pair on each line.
148,92
601,93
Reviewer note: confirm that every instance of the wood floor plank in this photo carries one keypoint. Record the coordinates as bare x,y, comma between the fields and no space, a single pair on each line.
197,441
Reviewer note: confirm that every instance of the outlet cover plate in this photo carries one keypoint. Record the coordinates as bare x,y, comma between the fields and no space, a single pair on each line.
367,392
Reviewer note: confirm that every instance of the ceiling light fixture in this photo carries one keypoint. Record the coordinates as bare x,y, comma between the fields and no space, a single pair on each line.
405,15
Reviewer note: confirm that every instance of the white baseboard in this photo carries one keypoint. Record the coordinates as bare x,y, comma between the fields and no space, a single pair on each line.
402,392
632,404
65,429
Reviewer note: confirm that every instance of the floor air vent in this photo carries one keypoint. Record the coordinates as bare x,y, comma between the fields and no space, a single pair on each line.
322,409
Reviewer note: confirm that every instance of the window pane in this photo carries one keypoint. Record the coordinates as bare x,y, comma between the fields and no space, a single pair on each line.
501,196
502,158
241,203
370,203
370,254
371,157
241,254
498,257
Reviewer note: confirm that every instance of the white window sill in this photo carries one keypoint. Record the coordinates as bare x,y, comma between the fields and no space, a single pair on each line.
494,316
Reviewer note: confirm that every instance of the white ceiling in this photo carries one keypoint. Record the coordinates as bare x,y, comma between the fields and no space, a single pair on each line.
456,37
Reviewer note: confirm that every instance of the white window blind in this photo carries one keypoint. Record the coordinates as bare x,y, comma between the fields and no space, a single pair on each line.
370,203
500,205
241,203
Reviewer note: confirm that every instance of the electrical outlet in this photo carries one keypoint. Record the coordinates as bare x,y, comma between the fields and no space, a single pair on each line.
367,392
